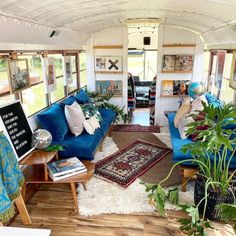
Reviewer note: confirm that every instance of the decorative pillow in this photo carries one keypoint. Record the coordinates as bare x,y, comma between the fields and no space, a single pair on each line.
75,118
183,110
89,126
213,100
54,120
68,101
95,123
182,127
197,104
90,110
82,97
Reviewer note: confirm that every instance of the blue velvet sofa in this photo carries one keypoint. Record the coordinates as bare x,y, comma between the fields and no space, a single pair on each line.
177,142
83,146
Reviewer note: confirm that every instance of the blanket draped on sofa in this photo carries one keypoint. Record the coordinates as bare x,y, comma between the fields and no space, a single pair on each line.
11,179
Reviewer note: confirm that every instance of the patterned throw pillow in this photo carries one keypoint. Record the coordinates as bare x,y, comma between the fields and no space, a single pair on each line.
89,110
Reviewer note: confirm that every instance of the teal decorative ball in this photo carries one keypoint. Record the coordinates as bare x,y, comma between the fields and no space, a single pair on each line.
195,89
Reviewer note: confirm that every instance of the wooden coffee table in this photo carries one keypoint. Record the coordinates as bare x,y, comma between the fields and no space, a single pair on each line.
34,174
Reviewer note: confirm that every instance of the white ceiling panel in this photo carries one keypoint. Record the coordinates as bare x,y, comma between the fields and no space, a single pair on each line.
91,15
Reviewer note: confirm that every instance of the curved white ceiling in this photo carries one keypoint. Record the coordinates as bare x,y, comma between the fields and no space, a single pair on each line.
90,16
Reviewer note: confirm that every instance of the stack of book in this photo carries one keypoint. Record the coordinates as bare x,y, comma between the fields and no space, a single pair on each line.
65,168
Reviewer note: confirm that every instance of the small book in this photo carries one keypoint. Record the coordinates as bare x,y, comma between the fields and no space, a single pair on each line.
167,87
56,178
65,166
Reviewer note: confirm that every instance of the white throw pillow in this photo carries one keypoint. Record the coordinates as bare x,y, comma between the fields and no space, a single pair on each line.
197,104
183,110
88,126
95,122
75,118
182,127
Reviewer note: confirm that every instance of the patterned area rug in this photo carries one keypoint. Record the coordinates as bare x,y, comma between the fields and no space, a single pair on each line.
126,165
136,128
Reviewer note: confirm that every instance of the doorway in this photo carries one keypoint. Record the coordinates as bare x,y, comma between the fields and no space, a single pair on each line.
142,65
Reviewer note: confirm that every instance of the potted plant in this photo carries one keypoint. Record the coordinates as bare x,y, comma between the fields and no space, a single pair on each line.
212,152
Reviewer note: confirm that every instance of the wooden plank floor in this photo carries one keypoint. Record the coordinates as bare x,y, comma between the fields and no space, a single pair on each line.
52,208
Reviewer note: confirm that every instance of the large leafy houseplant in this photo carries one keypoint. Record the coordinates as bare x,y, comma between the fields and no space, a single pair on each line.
101,101
212,153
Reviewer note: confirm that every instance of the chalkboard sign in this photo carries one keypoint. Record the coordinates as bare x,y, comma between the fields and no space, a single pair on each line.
17,128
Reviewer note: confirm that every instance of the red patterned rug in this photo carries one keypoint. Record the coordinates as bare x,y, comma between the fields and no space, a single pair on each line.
136,128
130,162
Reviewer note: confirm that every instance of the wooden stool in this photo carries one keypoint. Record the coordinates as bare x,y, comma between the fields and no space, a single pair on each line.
187,173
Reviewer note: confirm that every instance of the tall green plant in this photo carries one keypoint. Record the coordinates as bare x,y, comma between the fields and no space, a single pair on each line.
212,153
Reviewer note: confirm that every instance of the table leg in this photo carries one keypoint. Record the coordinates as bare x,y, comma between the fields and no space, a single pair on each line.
74,192
45,172
23,190
84,185
22,210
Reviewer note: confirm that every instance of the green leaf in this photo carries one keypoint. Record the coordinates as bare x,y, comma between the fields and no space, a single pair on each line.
160,198
55,147
173,195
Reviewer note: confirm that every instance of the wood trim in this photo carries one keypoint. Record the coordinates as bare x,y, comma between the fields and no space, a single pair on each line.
178,45
108,47
177,72
108,72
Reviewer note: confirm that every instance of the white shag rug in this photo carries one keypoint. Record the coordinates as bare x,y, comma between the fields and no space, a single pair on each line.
104,197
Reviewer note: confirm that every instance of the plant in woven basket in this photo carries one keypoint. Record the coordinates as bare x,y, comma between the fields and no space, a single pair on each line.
212,153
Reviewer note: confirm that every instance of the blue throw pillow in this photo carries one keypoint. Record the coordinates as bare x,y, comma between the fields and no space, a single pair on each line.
213,100
68,101
54,121
82,97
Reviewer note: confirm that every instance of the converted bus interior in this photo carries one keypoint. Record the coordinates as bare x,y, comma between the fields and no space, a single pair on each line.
161,77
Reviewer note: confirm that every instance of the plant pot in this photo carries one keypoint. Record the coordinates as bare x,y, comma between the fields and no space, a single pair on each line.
213,199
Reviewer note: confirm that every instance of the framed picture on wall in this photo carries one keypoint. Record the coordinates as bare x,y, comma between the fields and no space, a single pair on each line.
104,87
67,70
168,64
108,64
232,82
18,74
51,75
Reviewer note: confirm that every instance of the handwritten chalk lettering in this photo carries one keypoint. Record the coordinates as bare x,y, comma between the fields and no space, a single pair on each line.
7,122
14,124
13,137
10,114
21,144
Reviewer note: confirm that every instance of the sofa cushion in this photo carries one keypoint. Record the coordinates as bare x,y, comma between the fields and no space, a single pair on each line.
68,101
75,118
53,120
85,145
213,100
82,97
183,110
197,104
82,146
177,142
182,127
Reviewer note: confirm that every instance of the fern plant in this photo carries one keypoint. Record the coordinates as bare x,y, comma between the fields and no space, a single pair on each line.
101,101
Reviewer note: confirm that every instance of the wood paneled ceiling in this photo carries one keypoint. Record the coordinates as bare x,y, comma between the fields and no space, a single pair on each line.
90,16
